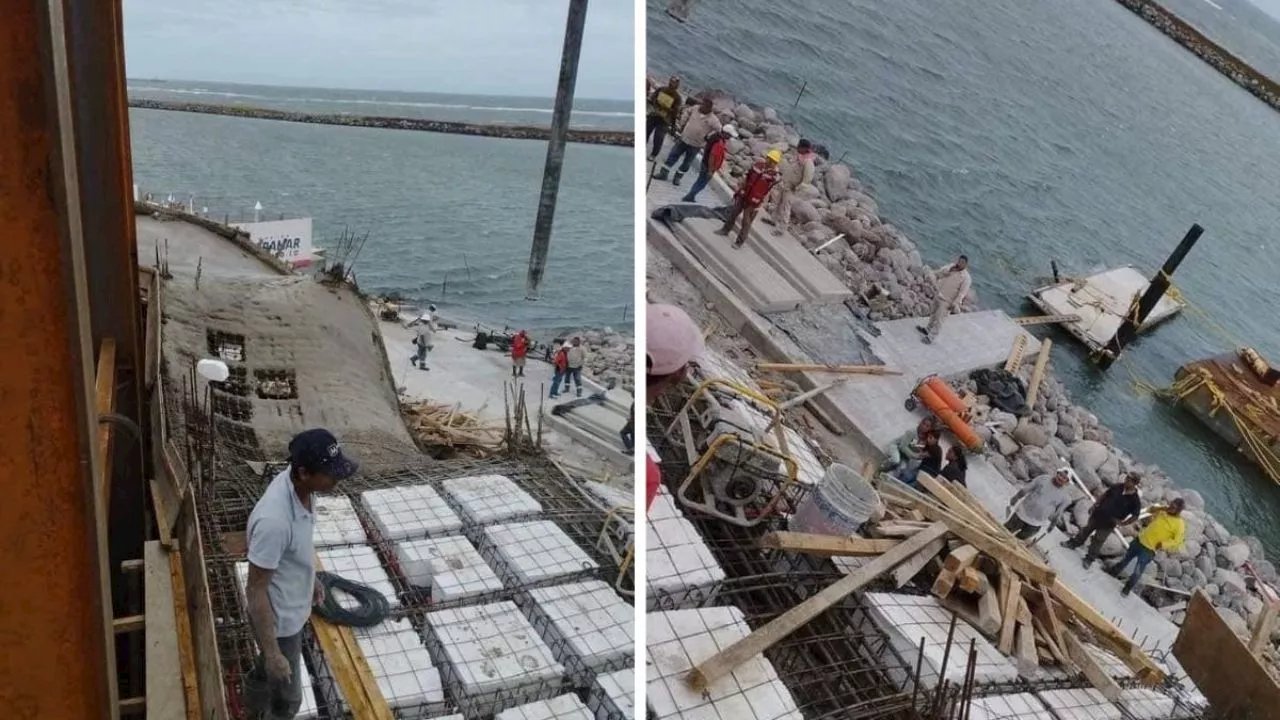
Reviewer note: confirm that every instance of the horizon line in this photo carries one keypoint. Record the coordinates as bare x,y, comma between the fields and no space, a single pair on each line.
129,79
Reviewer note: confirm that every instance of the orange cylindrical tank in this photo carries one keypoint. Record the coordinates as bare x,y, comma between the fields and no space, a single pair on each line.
961,429
948,396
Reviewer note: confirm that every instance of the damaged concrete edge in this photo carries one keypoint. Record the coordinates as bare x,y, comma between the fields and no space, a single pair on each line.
238,237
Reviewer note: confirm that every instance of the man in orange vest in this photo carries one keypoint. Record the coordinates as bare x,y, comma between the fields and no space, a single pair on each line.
519,350
561,363
751,194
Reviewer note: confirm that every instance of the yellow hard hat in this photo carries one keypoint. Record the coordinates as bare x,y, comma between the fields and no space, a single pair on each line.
774,155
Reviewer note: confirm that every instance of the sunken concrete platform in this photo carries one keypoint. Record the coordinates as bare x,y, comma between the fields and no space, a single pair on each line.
677,641
562,707
489,498
410,511
590,629
533,552
450,566
613,696
680,570
761,286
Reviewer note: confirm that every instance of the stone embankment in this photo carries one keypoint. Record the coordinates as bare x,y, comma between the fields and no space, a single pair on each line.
509,132
1218,57
610,356
875,254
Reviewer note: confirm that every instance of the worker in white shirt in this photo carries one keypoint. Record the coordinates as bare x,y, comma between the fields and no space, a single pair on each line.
953,286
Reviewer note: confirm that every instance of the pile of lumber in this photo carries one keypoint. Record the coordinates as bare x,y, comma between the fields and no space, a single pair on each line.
435,425
979,570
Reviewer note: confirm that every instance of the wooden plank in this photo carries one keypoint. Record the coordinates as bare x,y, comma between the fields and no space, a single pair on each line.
1127,650
1056,653
896,529
1092,669
843,369
974,581
1025,649
914,564
105,393
939,490
131,707
976,614
1019,348
944,583
166,698
350,669
1234,680
1046,319
1050,618
186,647
827,545
1029,568
1037,372
989,613
128,624
1262,630
724,662
961,558
1009,616
151,352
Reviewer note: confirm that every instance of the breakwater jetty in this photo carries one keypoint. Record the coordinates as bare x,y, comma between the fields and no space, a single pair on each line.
494,130
1218,57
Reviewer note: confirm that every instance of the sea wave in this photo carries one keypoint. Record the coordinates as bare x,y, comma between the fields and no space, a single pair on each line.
368,101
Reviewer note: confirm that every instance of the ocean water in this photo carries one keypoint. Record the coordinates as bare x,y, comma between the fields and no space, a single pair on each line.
449,217
1023,132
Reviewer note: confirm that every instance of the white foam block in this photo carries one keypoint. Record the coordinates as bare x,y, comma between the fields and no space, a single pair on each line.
613,696
1079,704
563,707
679,563
400,663
535,551
1019,706
336,521
597,625
493,647
490,498
410,511
358,564
907,618
678,640
450,566
1145,704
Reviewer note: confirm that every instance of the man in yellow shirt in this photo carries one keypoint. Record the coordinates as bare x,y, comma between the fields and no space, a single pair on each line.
1165,531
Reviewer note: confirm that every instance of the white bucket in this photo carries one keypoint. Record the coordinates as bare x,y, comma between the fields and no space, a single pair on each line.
842,502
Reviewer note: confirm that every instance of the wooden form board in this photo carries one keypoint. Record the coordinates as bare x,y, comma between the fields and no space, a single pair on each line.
350,669
827,545
105,393
1233,679
166,698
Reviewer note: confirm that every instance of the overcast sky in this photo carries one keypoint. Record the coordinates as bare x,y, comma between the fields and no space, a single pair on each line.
489,47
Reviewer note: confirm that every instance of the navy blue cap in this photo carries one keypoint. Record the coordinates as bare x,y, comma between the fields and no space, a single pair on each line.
318,451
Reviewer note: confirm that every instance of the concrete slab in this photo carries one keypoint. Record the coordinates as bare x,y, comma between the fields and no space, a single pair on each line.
613,696
874,404
589,628
1102,301
484,499
533,552
1079,704
336,521
680,570
359,564
677,641
563,707
1019,706
752,277
410,511
450,566
187,246
495,657
905,619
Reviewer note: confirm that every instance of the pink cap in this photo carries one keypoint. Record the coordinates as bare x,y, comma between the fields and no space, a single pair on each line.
672,339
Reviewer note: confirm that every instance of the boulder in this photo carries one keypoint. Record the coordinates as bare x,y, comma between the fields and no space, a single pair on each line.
1088,455
803,211
1237,553
1256,551
1005,421
1229,580
1190,549
1234,621
1005,445
1204,564
1039,461
1028,433
1019,467
1109,471
1266,571
1068,432
836,182
1112,547
1194,500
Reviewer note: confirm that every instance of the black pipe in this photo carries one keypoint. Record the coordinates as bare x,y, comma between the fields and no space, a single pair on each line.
555,146
1159,285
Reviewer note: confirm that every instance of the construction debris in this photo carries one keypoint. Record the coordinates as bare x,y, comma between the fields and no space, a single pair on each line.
436,425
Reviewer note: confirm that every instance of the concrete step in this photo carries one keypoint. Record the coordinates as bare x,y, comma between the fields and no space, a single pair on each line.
743,269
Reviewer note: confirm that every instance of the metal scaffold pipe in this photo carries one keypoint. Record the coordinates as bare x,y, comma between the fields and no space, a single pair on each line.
555,146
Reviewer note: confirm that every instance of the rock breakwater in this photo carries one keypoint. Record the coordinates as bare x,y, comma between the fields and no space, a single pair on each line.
509,132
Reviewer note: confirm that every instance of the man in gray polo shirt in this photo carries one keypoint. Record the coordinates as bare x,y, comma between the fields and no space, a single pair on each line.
1043,500
282,579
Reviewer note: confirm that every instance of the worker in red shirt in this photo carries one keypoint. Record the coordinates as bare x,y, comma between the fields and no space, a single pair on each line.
561,364
673,341
519,351
751,194
713,153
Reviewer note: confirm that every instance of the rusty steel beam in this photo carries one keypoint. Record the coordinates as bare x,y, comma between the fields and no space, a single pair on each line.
55,613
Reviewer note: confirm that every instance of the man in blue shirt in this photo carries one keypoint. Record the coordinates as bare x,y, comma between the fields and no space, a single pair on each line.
282,583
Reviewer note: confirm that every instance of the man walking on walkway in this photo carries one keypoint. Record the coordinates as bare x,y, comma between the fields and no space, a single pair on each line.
664,109
713,153
1166,532
1043,500
424,339
575,358
693,136
282,585
953,285
795,173
751,194
1117,507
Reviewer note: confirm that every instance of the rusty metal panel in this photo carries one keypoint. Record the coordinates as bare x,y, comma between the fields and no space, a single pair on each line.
1235,681
54,615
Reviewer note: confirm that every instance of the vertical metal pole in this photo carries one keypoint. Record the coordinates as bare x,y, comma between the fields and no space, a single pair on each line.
1156,289
555,146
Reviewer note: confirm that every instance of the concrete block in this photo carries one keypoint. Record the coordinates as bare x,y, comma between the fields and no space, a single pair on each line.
681,572
410,511
336,521
450,566
588,626
1019,706
905,619
531,552
1079,704
358,564
485,499
613,696
562,707
494,657
679,640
